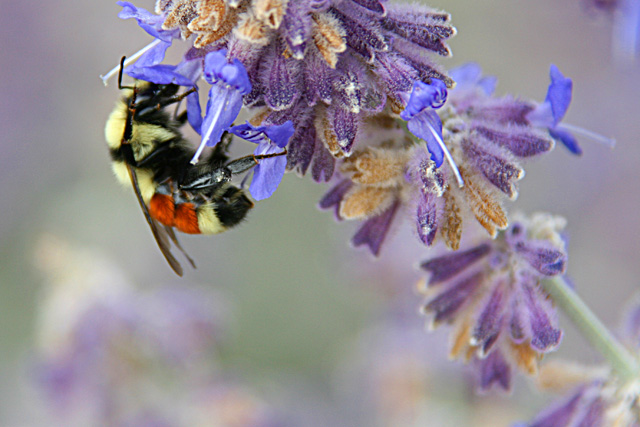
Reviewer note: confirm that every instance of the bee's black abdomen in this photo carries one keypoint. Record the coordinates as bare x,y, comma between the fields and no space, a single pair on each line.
232,207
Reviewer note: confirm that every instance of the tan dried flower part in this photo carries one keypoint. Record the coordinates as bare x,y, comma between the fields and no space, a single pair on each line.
216,20
378,177
270,12
210,16
179,14
210,20
525,357
328,37
484,203
252,29
459,347
451,230
561,376
376,166
327,134
365,201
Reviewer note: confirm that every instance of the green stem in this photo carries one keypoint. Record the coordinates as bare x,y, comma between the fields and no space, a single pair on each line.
625,365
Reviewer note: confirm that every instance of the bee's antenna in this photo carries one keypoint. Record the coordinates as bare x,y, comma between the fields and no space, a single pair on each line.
120,75
247,162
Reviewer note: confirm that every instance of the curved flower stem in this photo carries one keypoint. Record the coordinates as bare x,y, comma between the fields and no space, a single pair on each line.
591,327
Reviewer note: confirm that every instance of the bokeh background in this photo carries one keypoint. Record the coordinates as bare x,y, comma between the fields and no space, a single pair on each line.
308,318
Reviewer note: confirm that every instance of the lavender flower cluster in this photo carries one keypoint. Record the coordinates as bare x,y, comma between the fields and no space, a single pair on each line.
350,88
111,354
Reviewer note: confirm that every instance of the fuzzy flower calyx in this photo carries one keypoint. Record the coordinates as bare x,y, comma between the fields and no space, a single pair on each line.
490,293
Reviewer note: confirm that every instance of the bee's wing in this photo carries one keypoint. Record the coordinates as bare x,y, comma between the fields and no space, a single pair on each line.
174,239
160,234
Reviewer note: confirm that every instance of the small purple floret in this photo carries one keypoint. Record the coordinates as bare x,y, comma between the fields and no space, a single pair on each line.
469,75
150,22
558,94
218,70
549,113
545,336
271,139
424,96
422,121
229,82
427,217
427,126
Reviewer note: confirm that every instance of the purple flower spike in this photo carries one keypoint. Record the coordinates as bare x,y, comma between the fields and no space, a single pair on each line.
230,83
492,293
271,139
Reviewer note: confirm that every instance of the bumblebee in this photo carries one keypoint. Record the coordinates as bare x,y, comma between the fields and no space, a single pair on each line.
150,153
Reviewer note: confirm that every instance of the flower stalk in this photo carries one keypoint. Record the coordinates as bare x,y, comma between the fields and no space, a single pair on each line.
623,363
